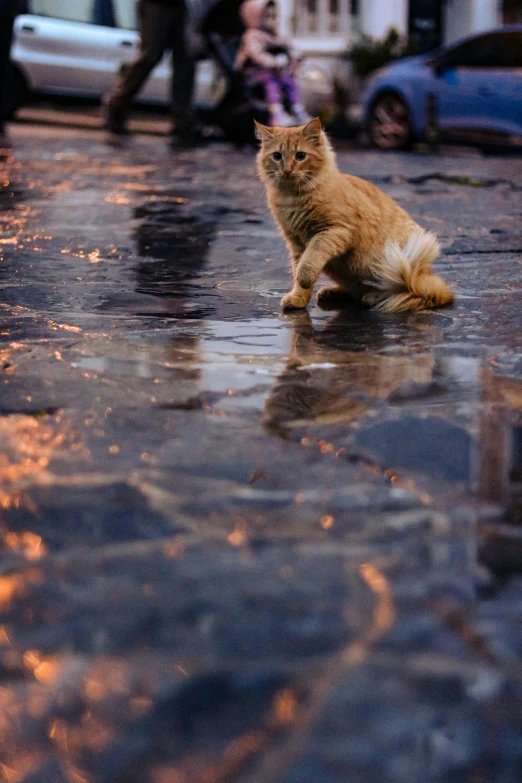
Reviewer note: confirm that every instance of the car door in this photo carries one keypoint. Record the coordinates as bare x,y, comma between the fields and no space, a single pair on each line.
62,49
506,83
478,90
464,98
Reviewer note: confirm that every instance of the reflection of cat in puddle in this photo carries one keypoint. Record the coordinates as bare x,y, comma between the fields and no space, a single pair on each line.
324,384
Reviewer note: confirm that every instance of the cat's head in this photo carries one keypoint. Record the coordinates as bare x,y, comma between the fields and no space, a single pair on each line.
294,158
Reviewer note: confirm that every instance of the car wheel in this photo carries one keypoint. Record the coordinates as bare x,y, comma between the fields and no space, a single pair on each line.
389,125
15,93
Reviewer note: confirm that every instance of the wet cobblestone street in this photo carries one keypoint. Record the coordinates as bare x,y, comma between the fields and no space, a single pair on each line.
237,546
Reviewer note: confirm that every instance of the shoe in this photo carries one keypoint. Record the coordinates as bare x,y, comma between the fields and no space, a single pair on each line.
279,117
185,142
186,136
300,114
115,119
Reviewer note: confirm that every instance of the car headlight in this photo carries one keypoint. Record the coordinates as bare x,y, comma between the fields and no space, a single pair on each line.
312,73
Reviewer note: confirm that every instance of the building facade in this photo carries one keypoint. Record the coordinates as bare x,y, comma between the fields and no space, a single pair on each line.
331,26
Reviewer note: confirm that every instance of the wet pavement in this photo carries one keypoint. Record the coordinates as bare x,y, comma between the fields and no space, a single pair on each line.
241,547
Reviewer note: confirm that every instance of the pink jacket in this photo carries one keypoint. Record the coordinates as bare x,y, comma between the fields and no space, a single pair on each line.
258,47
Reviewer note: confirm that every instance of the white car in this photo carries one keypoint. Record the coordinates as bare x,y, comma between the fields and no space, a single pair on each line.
77,47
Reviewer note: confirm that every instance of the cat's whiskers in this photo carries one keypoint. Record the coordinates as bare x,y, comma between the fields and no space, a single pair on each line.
311,179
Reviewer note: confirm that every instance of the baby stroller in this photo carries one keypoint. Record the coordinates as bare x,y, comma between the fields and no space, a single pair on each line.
221,28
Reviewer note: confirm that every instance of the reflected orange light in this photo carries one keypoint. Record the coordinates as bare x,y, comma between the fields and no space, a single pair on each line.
95,690
173,549
9,774
30,544
325,447
116,198
238,537
285,706
75,776
59,734
66,327
29,444
327,522
8,588
31,659
384,614
46,671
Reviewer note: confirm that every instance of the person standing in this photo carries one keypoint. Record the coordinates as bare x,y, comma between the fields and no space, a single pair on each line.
8,10
162,27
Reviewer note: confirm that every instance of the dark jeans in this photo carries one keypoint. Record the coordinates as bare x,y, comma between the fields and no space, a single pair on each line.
6,37
162,27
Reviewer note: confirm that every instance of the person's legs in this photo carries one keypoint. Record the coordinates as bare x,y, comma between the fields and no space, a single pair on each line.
183,72
293,96
270,84
155,25
290,87
6,37
273,95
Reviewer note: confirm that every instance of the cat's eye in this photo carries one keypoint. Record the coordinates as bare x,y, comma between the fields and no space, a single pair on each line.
277,156
300,155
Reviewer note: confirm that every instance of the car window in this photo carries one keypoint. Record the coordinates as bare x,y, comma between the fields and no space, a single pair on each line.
499,50
99,12
513,49
125,12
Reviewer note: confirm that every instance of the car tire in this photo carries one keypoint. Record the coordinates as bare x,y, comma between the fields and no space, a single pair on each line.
15,94
389,123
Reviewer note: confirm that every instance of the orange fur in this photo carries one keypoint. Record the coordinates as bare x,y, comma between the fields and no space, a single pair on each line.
345,227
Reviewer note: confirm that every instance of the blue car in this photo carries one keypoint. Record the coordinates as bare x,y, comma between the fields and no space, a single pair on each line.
470,91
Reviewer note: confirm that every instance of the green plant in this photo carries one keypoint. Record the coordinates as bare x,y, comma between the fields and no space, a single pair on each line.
369,53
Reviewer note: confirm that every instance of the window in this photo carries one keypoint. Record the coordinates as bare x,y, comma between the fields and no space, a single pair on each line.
107,13
501,50
77,11
321,17
126,16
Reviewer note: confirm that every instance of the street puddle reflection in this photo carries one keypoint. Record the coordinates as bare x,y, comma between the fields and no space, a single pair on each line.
427,413
215,516
174,238
325,382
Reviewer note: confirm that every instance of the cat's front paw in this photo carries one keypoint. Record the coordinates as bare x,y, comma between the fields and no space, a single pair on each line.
304,278
330,296
293,301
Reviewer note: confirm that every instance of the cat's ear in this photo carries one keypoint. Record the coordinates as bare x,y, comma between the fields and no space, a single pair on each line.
263,133
312,131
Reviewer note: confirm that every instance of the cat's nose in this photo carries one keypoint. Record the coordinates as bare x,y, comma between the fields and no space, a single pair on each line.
287,172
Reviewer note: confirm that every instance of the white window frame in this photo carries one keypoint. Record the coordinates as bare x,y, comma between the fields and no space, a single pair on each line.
319,36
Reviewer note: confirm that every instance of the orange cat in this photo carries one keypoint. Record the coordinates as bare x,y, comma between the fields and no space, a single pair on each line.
345,227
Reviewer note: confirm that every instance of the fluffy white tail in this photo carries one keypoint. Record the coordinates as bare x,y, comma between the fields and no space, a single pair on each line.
403,278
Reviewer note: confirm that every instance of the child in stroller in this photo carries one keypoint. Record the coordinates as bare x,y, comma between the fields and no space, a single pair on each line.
266,59
256,89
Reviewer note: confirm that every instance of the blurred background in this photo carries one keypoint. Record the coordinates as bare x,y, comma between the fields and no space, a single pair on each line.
398,71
